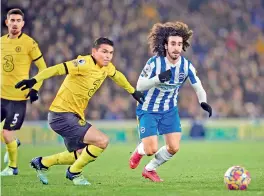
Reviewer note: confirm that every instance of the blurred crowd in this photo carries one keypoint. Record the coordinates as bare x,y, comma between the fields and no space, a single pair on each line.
227,49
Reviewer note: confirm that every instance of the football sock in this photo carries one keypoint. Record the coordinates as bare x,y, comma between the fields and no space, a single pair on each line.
140,149
2,138
63,158
89,154
12,153
161,157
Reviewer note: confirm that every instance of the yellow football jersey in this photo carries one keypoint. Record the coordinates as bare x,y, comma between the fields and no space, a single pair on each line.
83,80
16,57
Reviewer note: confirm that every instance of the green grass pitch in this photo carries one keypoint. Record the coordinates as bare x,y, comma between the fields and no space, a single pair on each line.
197,169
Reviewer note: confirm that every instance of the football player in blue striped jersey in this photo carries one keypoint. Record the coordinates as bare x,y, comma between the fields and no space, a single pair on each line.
161,80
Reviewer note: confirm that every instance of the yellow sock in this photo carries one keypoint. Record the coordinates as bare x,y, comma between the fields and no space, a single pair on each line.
2,138
12,153
63,158
89,154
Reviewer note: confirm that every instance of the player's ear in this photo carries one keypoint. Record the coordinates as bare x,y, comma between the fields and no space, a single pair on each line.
94,50
6,22
23,23
166,46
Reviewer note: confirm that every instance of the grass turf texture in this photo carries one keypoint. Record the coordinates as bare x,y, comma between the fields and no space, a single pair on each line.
197,169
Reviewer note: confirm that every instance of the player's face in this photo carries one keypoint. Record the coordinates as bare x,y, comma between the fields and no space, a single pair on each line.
103,55
15,23
174,47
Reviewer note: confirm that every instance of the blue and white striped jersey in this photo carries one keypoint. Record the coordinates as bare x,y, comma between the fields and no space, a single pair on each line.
163,96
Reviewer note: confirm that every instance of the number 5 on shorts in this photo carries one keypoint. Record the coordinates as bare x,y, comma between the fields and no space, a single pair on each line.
15,119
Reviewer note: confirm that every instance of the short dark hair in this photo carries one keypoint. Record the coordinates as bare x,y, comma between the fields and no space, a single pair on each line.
102,40
15,11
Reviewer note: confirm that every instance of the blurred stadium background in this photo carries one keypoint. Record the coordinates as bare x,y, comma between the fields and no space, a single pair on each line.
227,49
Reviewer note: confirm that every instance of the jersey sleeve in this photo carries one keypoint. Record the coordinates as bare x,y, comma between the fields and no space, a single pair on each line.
149,70
193,78
196,84
148,78
77,66
34,51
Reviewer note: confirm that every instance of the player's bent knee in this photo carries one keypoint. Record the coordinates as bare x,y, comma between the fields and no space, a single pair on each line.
103,142
95,137
173,149
150,150
150,145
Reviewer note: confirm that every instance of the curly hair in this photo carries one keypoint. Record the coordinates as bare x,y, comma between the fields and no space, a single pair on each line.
160,33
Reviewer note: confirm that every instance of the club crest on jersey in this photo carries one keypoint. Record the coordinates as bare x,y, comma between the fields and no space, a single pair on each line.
18,49
181,77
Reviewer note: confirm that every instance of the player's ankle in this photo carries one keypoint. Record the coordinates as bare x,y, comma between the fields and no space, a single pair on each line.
42,165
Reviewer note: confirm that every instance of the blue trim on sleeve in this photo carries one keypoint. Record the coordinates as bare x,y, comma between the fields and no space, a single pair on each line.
190,74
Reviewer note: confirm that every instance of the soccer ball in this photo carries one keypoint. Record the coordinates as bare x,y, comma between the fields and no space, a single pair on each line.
237,178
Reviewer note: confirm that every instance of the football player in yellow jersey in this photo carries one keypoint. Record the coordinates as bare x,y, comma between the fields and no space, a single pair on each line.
18,50
84,142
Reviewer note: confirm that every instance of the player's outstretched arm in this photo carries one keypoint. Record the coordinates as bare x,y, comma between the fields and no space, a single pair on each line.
121,81
33,93
145,83
59,69
41,65
200,92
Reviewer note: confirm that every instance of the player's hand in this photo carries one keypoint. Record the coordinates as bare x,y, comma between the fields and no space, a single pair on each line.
26,83
165,76
33,95
207,108
138,96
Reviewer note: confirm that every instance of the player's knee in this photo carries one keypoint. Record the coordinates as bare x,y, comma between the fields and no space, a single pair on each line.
173,149
8,136
103,142
151,150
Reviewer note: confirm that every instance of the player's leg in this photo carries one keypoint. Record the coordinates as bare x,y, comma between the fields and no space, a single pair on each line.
4,106
171,129
96,142
42,164
166,152
15,114
147,130
74,132
6,157
66,125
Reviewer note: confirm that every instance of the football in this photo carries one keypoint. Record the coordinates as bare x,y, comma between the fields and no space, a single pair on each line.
237,178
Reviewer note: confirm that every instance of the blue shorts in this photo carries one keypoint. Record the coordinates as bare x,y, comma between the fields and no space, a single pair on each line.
158,123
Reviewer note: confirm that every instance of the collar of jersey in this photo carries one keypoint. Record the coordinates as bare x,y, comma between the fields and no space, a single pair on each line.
94,60
17,37
95,63
173,65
